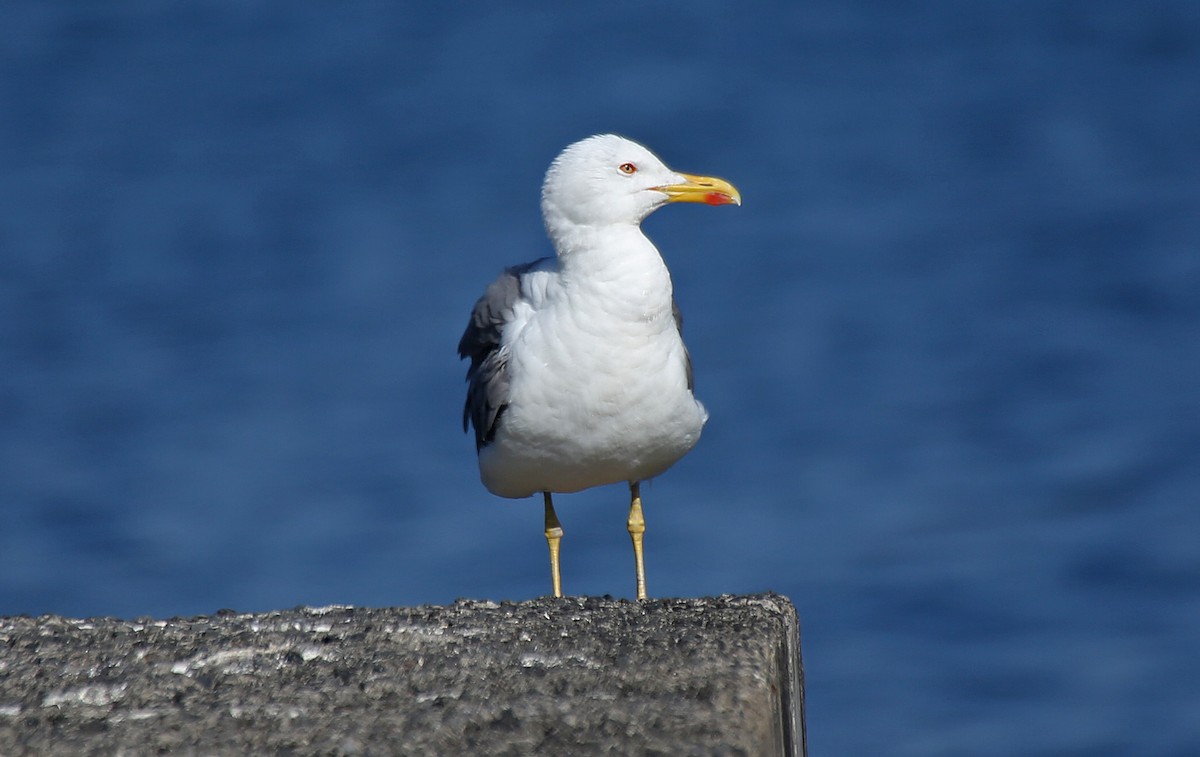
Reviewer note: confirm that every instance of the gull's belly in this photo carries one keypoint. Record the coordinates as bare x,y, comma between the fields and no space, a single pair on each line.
590,412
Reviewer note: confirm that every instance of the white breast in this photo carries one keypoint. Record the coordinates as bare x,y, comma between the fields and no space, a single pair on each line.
599,380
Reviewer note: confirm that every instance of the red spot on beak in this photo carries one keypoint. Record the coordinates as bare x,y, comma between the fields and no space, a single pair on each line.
717,198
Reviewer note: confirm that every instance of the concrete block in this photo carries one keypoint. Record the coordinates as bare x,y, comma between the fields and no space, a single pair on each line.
579,675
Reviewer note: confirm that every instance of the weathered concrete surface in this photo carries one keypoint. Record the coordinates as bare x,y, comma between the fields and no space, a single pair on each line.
572,676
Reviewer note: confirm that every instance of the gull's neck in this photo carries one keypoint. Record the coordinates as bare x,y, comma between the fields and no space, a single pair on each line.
615,263
587,246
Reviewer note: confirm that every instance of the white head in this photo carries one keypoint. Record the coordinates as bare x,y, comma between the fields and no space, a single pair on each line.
610,180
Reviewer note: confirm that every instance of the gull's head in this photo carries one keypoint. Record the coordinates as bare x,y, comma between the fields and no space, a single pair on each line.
610,180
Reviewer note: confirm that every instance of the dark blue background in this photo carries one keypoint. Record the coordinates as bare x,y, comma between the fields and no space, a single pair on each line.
949,344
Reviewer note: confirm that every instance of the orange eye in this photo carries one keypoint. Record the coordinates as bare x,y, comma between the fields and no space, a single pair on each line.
628,169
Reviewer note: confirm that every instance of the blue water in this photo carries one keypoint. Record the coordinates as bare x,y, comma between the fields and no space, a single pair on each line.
950,344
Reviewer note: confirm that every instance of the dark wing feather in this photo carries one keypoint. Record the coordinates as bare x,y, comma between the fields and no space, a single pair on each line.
487,376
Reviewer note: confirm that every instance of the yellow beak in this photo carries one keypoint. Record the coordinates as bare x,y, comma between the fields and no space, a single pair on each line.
707,189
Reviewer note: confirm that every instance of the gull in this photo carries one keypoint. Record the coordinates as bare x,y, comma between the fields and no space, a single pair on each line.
579,376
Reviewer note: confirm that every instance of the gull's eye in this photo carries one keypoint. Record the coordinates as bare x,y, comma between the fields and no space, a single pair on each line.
628,169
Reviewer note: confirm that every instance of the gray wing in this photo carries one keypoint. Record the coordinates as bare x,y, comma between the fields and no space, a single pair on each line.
487,376
687,356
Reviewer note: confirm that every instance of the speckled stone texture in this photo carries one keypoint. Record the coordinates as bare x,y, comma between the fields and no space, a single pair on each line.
719,675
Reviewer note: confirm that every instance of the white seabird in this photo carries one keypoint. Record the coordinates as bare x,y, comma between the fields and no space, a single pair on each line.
579,376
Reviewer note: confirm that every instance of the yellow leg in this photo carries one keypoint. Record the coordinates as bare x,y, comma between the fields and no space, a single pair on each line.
554,534
637,527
